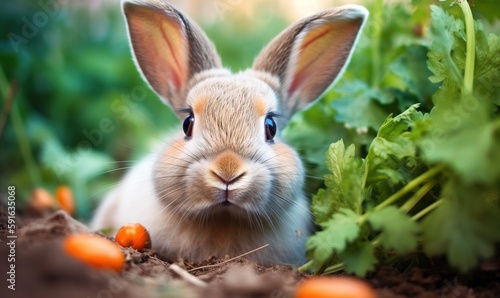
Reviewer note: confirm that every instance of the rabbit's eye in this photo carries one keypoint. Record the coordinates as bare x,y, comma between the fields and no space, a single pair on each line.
270,127
188,124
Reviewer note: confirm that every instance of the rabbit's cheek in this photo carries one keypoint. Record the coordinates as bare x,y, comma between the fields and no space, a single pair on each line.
288,166
288,177
174,151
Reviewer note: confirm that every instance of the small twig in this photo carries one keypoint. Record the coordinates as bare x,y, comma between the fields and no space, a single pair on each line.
230,260
187,276
9,99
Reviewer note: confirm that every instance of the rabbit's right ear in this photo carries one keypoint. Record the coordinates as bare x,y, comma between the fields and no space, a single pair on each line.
168,48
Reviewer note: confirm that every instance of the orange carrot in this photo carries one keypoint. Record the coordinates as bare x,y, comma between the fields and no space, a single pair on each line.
334,287
133,235
64,197
40,200
95,251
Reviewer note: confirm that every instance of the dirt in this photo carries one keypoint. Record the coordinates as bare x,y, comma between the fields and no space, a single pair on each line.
44,270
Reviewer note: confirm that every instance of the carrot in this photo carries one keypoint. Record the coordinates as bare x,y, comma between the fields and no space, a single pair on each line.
95,251
40,201
133,235
334,287
64,197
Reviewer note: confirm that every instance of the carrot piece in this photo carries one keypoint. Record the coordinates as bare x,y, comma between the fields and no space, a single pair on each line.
334,287
133,235
64,197
40,201
95,251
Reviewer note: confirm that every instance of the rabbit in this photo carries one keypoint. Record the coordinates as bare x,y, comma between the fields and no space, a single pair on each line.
225,183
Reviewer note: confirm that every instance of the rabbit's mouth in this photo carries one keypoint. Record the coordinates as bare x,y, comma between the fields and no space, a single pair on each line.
231,200
225,203
224,197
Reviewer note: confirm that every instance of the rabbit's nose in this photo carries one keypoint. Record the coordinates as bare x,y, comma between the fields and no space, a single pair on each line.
225,180
228,167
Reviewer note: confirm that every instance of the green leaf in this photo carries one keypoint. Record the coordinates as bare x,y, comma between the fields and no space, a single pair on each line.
359,106
392,145
322,205
383,148
487,67
344,184
473,152
409,68
359,258
336,159
399,231
443,30
465,225
488,9
394,176
393,127
341,229
393,150
353,190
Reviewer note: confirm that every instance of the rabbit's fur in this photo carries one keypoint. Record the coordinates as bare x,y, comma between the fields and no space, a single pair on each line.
230,186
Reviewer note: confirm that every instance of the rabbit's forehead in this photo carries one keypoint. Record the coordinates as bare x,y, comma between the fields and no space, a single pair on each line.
239,95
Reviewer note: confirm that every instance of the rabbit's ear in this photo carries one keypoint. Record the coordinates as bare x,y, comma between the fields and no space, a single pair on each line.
168,48
309,55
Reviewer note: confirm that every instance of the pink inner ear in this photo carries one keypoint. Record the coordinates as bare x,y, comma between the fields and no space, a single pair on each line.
319,57
308,52
160,46
175,58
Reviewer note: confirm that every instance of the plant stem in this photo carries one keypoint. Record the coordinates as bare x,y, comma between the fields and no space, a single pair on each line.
419,194
24,146
411,185
471,47
426,210
9,99
376,241
306,266
19,131
335,268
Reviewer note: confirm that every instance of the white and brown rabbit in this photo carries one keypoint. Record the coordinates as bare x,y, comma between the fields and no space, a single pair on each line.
226,183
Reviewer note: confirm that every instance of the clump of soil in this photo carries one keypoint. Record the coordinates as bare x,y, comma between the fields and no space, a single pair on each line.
44,270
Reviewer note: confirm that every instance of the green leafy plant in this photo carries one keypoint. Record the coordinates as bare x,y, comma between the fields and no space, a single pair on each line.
429,181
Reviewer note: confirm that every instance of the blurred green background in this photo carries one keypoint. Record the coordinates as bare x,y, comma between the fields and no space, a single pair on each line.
76,112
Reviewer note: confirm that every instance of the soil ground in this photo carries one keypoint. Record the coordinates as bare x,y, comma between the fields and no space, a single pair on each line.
44,270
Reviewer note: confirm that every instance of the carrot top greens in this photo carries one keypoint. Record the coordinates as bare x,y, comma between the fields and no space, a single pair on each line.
428,181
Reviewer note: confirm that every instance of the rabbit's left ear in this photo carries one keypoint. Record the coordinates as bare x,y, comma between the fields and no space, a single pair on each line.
309,55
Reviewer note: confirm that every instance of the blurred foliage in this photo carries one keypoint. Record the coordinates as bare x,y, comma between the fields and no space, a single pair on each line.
82,114
80,103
